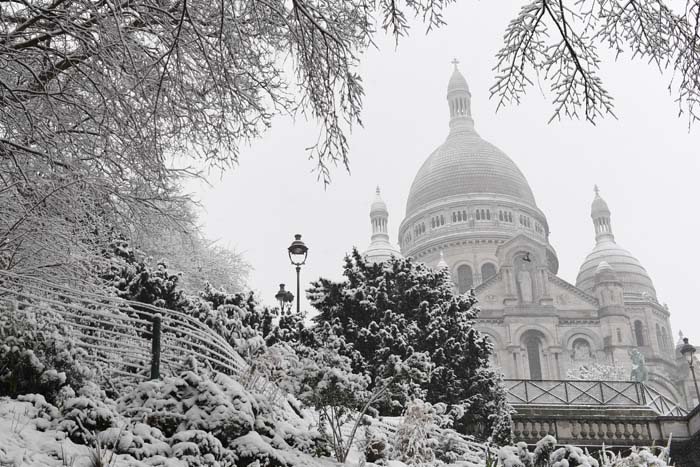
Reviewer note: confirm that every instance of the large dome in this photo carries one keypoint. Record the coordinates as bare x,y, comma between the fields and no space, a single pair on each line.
465,164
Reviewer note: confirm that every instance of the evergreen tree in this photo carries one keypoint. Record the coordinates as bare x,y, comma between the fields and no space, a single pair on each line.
403,322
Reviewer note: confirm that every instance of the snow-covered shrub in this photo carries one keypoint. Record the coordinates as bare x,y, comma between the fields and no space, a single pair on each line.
450,447
376,447
193,402
44,414
597,372
201,449
325,381
86,415
515,456
37,354
147,442
543,451
638,457
255,450
567,456
415,438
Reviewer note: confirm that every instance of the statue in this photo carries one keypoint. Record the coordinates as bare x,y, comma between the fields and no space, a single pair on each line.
525,282
639,368
582,351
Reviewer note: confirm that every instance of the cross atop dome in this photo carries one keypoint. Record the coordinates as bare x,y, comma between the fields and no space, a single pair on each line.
455,62
596,190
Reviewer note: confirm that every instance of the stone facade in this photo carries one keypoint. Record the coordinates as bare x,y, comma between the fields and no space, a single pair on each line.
471,209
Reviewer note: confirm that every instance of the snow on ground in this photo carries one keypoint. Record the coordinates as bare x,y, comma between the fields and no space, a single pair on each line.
24,443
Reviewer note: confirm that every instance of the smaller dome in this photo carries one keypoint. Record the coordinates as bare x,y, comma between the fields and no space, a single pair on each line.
380,251
629,271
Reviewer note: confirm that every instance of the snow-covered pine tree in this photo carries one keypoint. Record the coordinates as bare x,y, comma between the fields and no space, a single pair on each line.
402,320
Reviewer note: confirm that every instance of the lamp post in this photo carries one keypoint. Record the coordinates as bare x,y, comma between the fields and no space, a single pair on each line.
688,351
284,297
297,255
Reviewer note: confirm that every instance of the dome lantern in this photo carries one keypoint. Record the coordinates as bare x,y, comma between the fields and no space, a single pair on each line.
600,213
459,100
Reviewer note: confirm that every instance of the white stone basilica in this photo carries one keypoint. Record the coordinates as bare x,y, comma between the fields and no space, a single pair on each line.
470,209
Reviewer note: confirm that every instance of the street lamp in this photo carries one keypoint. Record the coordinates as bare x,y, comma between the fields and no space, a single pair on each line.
297,255
284,297
688,351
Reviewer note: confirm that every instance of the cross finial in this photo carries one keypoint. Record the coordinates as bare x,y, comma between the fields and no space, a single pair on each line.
596,190
455,62
377,189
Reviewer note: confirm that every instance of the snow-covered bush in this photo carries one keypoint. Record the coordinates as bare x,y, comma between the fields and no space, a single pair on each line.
201,449
87,414
515,456
638,457
568,456
325,381
416,437
192,402
37,354
255,450
375,447
597,372
450,447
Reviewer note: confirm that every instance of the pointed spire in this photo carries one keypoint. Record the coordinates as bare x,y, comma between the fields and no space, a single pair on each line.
600,213
459,100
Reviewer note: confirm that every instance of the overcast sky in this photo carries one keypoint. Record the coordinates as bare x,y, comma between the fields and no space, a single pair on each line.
646,163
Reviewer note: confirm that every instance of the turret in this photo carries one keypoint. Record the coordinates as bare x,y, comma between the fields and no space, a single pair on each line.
380,249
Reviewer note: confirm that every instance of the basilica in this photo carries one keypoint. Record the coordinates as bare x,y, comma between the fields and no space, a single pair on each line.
471,210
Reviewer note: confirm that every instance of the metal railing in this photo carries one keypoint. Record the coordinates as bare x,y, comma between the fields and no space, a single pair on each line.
129,341
590,393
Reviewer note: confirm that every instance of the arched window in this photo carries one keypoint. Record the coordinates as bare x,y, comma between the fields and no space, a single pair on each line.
488,214
442,219
619,335
639,333
665,339
459,216
488,270
533,345
465,278
478,215
464,215
510,217
660,338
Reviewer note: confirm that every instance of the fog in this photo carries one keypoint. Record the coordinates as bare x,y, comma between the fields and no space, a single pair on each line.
645,162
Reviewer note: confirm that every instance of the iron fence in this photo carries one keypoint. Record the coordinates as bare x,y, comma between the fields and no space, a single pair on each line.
590,393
